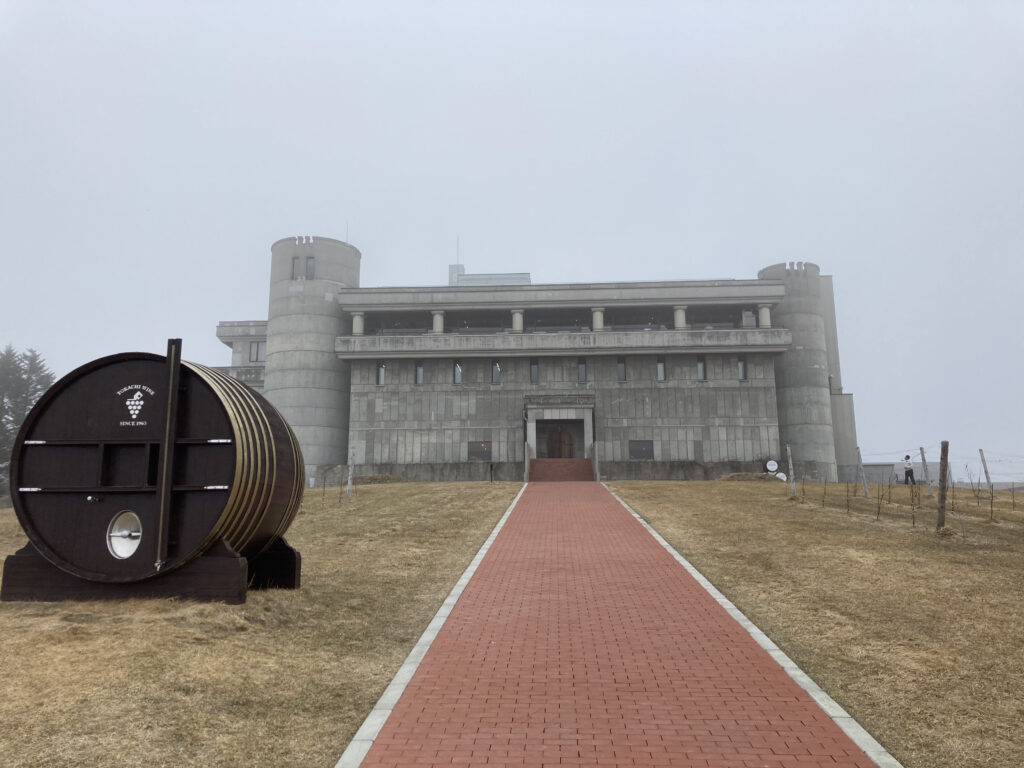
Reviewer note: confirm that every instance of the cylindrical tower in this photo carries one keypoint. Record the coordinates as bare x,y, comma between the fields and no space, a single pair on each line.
802,372
304,378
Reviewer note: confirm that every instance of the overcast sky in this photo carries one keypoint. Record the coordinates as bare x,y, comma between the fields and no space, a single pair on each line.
151,152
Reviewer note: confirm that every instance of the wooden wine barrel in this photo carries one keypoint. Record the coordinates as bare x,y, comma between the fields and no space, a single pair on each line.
134,465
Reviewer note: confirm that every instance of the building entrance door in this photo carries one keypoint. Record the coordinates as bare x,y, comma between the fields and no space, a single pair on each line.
559,444
559,426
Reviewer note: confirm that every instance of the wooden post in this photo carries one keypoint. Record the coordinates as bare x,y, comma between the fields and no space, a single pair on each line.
351,469
927,475
988,477
792,480
863,476
940,517
165,472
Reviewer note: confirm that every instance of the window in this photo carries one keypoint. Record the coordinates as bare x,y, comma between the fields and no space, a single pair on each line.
310,267
702,369
495,372
457,372
659,371
749,319
641,450
581,370
620,368
741,368
295,267
382,368
257,351
534,371
418,377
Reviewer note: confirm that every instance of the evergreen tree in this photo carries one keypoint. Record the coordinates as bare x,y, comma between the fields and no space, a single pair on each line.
24,377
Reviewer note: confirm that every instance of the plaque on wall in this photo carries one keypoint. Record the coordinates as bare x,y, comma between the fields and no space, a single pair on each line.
479,450
641,450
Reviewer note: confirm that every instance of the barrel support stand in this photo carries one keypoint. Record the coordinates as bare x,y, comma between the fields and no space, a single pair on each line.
278,567
219,575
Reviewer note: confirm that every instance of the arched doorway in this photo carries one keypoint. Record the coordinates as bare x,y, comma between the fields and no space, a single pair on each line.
559,444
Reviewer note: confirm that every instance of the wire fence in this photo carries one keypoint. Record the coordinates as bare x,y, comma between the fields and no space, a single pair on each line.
965,465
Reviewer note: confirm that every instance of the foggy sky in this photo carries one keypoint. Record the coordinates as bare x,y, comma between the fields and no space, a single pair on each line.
152,152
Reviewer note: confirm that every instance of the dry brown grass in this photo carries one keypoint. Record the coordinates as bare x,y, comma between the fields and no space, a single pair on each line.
284,680
918,636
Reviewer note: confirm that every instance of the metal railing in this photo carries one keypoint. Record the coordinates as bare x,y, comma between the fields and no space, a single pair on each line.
252,375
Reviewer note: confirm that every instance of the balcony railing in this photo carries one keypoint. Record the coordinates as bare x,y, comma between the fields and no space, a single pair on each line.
247,374
481,331
560,342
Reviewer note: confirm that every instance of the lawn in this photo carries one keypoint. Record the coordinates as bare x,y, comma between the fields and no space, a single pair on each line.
284,680
917,635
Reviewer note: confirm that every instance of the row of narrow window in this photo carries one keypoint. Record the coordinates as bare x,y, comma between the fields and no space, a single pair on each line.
581,370
309,273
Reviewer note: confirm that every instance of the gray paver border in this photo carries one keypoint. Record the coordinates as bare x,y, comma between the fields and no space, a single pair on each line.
360,745
864,740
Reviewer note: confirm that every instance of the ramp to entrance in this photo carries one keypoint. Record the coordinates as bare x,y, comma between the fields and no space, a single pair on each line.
560,470
580,639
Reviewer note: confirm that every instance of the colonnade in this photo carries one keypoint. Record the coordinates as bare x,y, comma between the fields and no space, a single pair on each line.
764,319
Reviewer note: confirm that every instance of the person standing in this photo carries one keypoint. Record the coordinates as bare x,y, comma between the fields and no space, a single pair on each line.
908,471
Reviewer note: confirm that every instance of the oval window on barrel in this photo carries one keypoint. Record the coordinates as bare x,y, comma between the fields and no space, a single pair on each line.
123,534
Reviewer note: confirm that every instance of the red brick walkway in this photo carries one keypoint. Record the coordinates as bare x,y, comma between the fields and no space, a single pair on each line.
581,641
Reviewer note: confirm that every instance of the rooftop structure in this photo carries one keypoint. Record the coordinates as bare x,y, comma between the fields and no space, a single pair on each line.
457,276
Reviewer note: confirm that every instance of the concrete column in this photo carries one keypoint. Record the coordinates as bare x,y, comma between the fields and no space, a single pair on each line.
357,323
597,323
531,438
438,320
517,320
680,313
764,316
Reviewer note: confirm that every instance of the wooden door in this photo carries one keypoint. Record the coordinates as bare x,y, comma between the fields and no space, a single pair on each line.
559,444
566,446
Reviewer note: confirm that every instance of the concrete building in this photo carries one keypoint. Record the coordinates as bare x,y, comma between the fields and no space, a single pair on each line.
669,380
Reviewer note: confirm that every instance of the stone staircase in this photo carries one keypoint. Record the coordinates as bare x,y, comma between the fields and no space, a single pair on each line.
560,470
